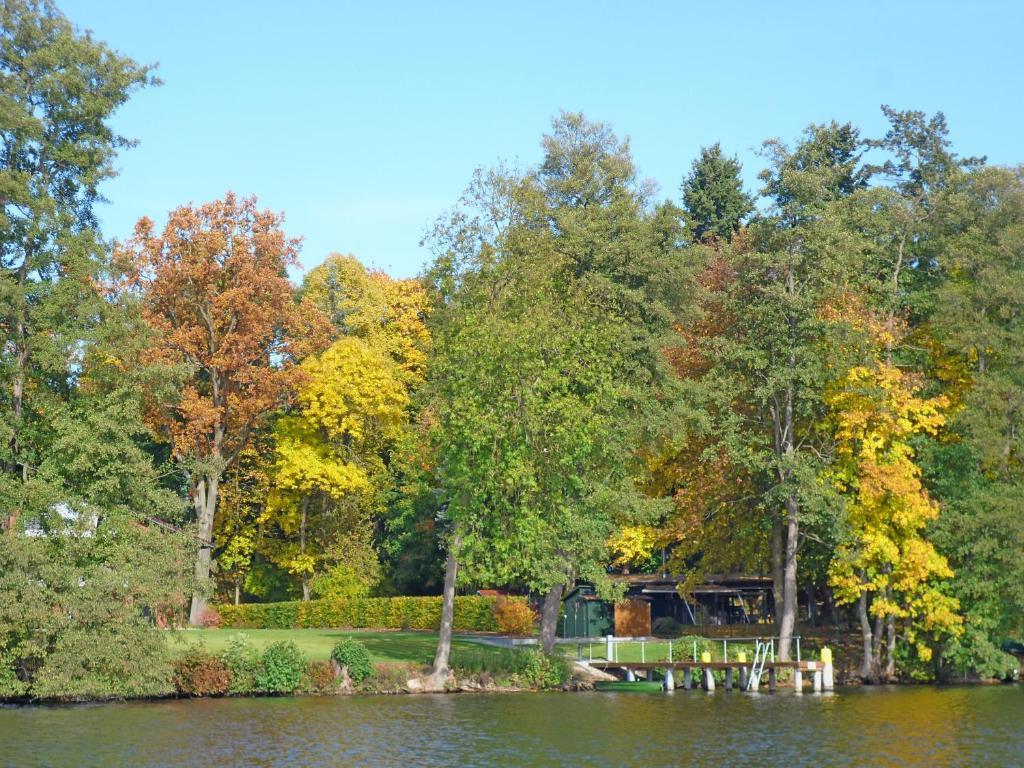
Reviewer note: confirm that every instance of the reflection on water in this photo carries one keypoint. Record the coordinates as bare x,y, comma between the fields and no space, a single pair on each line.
871,727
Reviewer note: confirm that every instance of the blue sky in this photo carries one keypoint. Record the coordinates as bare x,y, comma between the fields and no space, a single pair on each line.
364,121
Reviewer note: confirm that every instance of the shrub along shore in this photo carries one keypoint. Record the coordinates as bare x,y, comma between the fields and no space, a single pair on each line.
283,653
282,669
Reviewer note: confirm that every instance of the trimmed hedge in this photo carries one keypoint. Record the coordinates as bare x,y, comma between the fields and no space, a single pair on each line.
472,614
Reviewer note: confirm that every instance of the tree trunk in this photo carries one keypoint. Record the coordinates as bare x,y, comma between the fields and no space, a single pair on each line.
787,625
302,547
865,631
830,606
444,636
890,648
876,649
777,585
17,467
238,591
205,500
549,617
812,605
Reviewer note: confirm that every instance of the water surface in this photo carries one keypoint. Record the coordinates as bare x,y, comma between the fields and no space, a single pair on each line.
910,726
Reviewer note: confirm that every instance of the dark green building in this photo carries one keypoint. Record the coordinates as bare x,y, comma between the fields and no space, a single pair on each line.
585,614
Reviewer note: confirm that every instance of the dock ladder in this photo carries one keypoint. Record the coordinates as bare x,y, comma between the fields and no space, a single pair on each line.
761,651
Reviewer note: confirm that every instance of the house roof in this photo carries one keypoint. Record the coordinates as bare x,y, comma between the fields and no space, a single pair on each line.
712,583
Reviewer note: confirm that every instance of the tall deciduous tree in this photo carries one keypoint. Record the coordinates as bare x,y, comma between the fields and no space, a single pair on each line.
84,552
329,472
58,91
883,561
387,314
761,373
977,473
548,368
215,289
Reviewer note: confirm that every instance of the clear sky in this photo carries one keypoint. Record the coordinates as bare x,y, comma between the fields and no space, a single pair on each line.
363,121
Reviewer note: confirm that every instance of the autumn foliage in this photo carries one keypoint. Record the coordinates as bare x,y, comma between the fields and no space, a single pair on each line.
215,288
216,293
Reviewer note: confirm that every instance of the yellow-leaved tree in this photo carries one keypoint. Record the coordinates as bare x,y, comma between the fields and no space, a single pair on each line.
884,563
329,472
387,314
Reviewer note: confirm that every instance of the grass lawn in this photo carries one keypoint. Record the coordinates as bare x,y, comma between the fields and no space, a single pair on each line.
417,647
658,650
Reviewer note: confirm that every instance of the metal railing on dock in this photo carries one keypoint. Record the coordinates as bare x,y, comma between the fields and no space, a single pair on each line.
608,648
750,656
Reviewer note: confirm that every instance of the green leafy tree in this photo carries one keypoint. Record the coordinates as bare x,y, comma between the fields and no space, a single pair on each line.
713,196
58,90
760,371
86,563
547,367
978,473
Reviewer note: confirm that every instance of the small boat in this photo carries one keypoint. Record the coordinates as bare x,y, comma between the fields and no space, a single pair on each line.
637,686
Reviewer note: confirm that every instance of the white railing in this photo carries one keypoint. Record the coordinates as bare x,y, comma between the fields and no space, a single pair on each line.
608,649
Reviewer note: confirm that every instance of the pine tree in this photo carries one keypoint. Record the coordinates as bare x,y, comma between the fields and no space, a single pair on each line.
713,196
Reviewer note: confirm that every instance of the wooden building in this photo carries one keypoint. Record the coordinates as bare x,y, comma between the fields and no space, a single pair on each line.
650,597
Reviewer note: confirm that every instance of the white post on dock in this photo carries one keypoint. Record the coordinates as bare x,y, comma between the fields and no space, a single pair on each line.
670,680
828,673
708,674
630,677
817,681
709,679
609,647
798,680
687,678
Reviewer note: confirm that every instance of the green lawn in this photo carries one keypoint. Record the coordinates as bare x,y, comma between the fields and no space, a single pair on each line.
658,650
417,647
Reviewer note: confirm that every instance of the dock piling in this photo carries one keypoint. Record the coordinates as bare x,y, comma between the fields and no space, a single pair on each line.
828,673
709,679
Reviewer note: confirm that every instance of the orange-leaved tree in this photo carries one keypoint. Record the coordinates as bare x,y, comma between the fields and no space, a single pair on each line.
215,289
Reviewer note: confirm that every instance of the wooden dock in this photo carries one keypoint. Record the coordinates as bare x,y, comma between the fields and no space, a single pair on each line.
736,673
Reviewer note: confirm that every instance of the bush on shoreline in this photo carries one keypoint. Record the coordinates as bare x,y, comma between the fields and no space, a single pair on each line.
198,673
243,661
353,656
512,667
282,668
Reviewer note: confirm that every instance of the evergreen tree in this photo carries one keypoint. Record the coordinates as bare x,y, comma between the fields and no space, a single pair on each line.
713,196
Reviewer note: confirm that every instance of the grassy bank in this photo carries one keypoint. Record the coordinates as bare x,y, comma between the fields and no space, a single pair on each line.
316,644
215,662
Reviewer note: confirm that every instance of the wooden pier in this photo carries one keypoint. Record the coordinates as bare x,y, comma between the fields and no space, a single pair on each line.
739,670
734,671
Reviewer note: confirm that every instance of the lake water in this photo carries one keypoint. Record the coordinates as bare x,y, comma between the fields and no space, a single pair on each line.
909,726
